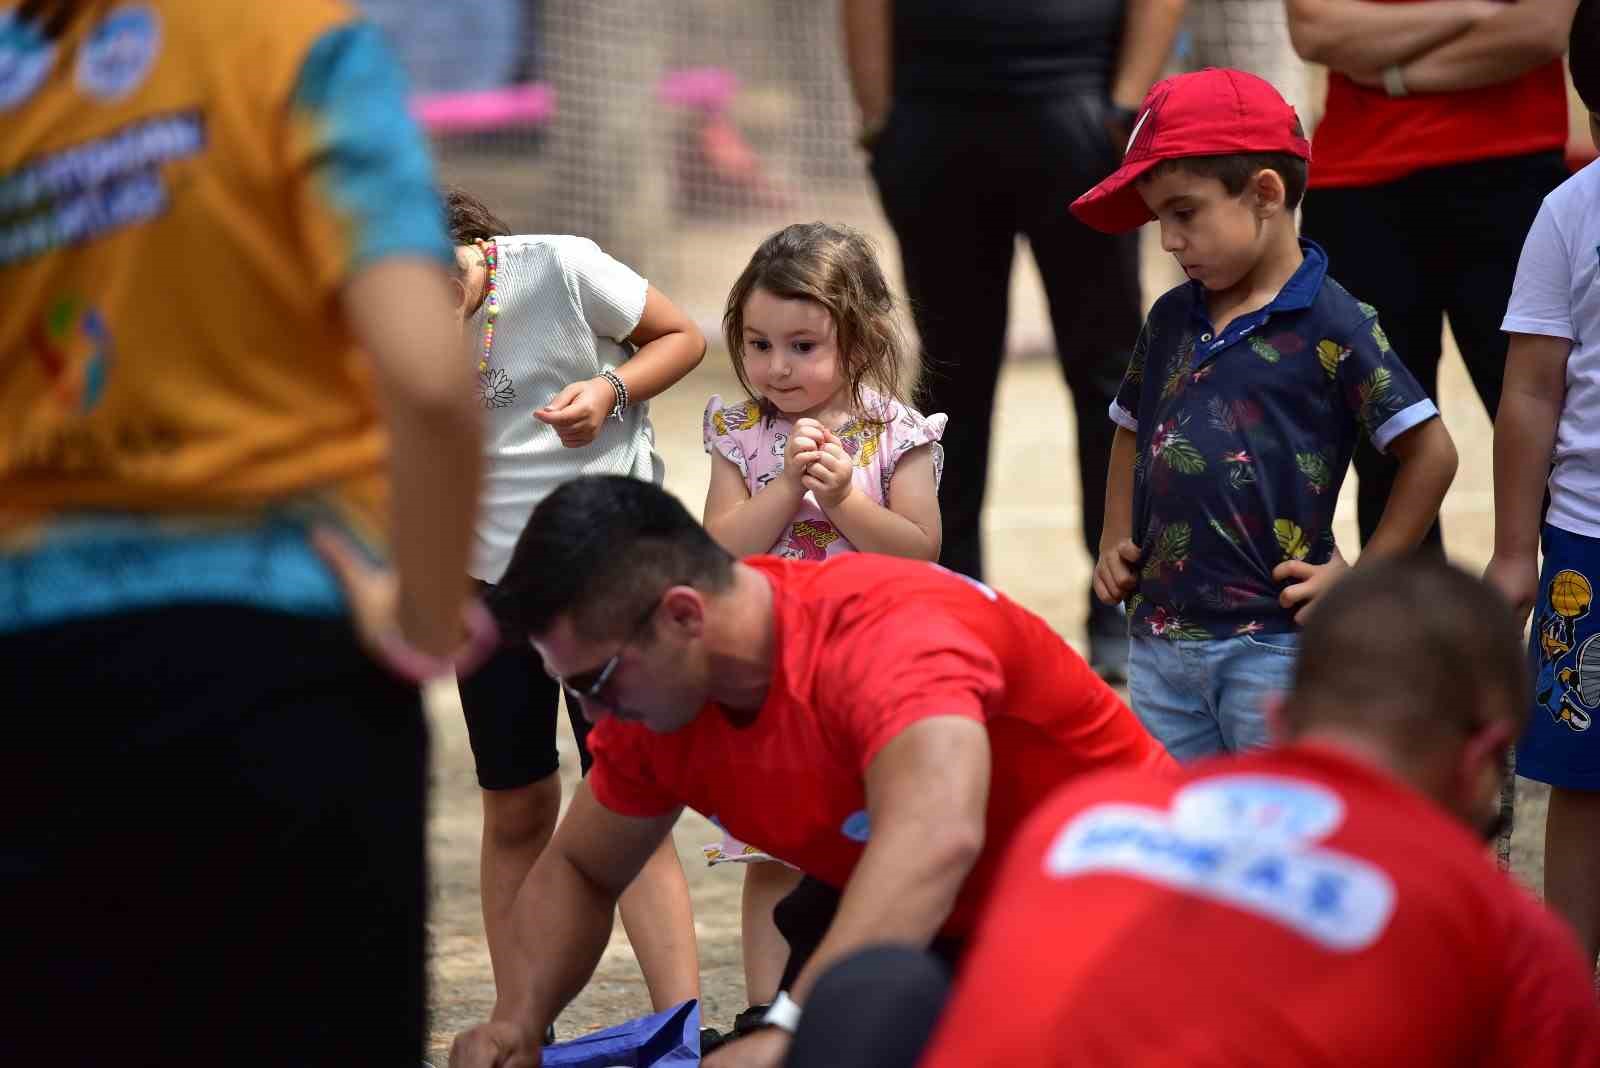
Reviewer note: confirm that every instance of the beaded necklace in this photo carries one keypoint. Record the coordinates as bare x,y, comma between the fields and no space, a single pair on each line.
491,303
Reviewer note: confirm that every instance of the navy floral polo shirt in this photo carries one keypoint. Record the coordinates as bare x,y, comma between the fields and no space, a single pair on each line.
1244,440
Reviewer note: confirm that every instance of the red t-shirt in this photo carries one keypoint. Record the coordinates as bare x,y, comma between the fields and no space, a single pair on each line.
865,647
1288,909
1366,137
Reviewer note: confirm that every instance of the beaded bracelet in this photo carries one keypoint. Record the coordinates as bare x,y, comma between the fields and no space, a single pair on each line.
621,390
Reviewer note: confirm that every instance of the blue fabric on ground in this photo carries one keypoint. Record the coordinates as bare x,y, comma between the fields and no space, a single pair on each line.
668,1039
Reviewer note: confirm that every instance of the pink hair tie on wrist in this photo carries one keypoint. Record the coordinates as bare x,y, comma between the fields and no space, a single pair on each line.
407,661
483,637
418,667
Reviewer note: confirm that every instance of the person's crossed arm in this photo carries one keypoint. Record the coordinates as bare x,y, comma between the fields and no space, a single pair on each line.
927,797
1437,46
561,920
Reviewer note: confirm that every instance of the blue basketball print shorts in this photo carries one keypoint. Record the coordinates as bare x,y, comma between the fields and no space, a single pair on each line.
1562,743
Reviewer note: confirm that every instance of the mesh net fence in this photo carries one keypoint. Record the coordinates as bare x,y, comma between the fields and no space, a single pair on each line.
677,135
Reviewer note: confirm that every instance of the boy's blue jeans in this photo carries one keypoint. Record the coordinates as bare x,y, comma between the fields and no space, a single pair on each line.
1200,698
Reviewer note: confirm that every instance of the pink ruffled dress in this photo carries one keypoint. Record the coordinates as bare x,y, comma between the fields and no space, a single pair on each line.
755,445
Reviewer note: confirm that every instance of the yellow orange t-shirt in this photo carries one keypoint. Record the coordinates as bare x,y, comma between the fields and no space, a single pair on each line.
185,185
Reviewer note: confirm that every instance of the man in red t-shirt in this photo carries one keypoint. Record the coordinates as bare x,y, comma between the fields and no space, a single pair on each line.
883,725
1328,902
1444,128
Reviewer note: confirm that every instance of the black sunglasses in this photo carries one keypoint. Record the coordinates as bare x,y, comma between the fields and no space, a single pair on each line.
588,684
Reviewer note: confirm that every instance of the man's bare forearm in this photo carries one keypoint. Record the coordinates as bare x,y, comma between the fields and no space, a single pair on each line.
901,891
561,922
1497,50
1363,37
1148,30
869,55
927,794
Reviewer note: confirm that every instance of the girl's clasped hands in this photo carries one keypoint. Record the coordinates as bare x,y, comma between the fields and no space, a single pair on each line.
815,460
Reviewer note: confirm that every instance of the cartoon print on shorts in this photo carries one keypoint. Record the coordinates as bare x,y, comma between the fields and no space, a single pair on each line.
1569,674
808,540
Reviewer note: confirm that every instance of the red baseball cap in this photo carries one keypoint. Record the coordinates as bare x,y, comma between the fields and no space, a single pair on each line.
1209,113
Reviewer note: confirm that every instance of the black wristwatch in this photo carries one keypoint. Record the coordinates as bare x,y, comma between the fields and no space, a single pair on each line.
1119,126
1121,116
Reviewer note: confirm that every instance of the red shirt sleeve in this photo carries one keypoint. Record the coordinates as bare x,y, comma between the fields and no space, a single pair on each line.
906,666
1549,1015
620,778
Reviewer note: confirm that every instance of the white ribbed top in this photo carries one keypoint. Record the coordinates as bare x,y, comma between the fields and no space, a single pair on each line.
1557,294
565,310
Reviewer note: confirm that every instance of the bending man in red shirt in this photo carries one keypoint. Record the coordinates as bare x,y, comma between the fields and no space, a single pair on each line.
1328,902
883,725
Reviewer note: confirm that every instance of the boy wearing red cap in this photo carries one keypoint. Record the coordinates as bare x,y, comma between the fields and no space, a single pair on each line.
1243,401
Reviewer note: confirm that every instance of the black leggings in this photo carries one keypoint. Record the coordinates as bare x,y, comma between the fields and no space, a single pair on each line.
511,705
804,916
211,843
1440,242
960,180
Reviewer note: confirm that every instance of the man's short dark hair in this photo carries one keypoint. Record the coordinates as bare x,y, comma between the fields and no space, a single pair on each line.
598,551
1413,650
1583,54
1236,170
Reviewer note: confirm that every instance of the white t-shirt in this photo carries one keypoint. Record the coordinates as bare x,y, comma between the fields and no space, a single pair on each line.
1556,296
566,309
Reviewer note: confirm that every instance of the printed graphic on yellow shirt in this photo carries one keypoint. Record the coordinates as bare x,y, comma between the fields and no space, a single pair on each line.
177,439
26,57
119,52
73,349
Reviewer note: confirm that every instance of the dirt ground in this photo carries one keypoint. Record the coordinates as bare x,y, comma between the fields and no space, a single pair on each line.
1034,556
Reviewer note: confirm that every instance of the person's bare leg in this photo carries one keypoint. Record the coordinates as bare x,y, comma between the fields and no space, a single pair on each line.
660,923
1572,862
765,951
517,825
